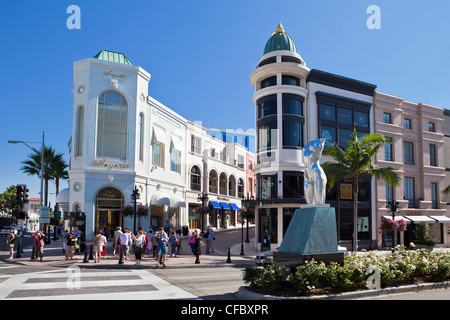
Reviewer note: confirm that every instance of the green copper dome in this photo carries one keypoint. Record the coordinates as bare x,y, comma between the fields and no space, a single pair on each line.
279,41
112,57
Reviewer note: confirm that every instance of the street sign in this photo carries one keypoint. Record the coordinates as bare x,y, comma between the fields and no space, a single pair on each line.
45,215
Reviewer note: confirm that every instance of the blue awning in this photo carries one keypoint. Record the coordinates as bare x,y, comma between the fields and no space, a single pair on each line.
234,206
225,206
215,205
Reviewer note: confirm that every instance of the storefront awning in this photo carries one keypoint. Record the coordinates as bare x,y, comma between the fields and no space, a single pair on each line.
215,205
159,199
234,206
441,219
398,218
177,202
419,219
225,205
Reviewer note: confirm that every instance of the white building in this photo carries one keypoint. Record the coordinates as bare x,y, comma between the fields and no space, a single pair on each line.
124,139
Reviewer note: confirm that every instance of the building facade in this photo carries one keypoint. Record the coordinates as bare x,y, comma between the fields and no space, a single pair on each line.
294,105
130,149
417,152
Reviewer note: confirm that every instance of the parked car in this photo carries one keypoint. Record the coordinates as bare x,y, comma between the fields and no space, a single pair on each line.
5,231
265,259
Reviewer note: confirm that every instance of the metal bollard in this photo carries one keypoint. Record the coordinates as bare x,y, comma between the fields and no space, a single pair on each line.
197,255
120,255
91,254
229,255
32,254
18,253
85,260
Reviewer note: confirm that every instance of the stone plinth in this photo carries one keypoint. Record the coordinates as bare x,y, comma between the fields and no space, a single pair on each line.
311,235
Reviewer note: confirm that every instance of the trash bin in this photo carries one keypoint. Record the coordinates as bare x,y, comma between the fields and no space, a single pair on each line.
185,230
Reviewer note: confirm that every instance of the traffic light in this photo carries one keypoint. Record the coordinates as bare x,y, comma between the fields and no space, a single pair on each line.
25,193
21,215
19,194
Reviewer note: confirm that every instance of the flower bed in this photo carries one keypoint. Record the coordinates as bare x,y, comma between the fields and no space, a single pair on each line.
401,267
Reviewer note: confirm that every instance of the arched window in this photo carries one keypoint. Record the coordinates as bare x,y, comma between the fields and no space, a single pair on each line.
213,181
79,133
223,184
112,125
232,187
195,179
240,188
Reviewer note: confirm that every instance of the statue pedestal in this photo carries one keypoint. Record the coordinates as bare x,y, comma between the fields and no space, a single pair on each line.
311,235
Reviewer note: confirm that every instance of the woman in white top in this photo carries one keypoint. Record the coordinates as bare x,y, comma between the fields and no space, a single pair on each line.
99,242
139,241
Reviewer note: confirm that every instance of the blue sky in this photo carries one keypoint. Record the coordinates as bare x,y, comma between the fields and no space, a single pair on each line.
201,54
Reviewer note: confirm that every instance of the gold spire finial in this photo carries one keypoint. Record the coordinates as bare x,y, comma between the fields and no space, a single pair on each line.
280,29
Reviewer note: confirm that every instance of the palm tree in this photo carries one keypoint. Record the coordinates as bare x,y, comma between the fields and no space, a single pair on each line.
32,166
357,161
58,168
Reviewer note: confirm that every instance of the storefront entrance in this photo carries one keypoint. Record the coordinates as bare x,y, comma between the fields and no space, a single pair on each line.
108,220
108,203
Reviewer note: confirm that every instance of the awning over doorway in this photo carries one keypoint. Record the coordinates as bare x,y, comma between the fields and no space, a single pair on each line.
225,205
215,205
159,199
419,219
177,202
441,219
234,206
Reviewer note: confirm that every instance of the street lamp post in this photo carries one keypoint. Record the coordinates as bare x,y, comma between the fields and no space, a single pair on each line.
203,197
41,173
394,206
135,197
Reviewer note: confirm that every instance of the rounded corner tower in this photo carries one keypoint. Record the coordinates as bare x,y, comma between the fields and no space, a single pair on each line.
280,115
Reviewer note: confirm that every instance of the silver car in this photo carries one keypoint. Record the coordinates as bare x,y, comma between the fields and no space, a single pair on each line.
5,231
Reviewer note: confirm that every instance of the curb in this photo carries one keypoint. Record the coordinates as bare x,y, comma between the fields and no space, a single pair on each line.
245,294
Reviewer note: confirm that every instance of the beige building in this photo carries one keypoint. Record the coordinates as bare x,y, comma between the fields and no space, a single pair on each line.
417,153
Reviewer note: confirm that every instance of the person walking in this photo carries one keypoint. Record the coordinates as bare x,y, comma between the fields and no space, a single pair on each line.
162,241
99,242
192,242
154,244
77,232
174,244
198,239
211,239
38,244
167,227
208,242
70,241
116,240
139,241
124,244
10,242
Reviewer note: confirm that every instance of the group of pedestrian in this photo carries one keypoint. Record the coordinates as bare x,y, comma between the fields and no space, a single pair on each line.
195,240
154,243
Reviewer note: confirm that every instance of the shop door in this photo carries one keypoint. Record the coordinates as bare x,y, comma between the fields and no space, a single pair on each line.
108,220
265,233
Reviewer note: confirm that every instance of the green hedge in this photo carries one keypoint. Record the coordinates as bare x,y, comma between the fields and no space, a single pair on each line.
397,268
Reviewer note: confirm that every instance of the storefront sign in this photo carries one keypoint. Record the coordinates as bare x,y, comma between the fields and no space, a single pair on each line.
44,215
110,74
104,163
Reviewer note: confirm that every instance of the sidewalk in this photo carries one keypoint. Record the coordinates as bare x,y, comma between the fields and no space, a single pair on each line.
54,257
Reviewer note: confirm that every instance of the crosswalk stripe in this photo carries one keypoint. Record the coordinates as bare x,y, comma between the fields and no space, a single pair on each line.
135,284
